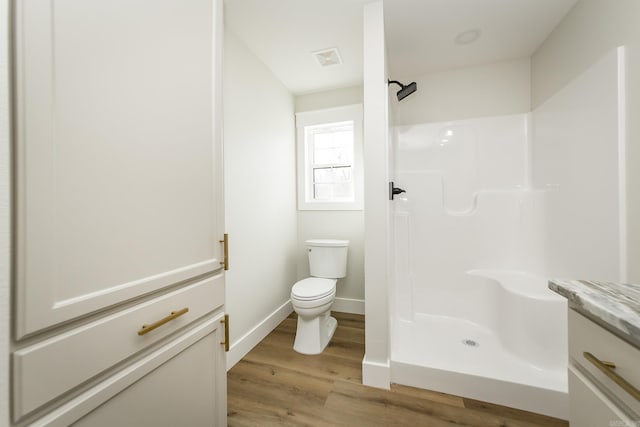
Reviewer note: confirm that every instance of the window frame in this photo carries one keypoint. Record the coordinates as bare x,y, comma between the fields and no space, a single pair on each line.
348,113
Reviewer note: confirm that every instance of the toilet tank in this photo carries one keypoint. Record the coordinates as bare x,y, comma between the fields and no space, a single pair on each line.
327,258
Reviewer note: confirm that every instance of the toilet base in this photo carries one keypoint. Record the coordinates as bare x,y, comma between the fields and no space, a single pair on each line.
314,333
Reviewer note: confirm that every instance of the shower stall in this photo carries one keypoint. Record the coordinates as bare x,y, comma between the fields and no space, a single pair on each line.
495,207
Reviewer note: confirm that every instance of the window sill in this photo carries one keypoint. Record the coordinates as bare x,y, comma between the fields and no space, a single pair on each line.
330,206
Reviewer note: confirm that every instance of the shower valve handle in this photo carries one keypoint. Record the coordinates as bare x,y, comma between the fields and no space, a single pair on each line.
394,191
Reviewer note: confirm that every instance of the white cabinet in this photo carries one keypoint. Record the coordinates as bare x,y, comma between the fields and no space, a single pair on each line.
589,406
183,391
597,361
118,213
51,367
116,160
183,378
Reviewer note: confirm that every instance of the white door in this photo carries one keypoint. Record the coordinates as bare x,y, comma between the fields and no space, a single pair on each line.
118,165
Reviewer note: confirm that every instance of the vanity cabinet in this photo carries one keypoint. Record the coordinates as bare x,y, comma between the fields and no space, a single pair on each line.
603,376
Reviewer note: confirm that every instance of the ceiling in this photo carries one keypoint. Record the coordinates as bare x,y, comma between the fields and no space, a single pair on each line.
420,35
283,33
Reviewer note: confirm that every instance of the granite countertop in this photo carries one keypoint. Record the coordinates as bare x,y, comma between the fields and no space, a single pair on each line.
614,305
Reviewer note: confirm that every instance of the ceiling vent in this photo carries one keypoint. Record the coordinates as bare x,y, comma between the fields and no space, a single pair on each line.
327,57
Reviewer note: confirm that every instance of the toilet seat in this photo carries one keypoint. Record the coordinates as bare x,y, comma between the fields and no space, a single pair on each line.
327,300
313,289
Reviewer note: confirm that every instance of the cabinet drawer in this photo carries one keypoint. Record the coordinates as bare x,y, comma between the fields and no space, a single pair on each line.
588,407
588,337
48,369
162,388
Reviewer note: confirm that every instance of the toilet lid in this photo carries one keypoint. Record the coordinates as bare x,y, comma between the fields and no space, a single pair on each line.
313,288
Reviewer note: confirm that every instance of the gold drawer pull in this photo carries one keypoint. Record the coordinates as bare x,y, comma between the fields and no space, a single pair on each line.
174,314
225,248
607,368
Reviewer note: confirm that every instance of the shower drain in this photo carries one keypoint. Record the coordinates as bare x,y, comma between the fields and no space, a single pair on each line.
471,343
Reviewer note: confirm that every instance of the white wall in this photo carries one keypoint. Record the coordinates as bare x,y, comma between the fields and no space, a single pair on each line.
375,366
347,225
260,211
5,209
329,99
483,90
588,32
335,224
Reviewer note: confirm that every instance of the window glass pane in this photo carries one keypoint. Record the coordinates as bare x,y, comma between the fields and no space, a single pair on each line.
332,146
341,191
330,157
322,140
329,175
322,191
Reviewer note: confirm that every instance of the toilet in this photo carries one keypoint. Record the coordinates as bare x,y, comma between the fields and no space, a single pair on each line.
312,297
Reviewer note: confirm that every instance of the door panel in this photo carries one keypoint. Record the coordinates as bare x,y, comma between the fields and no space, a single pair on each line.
117,152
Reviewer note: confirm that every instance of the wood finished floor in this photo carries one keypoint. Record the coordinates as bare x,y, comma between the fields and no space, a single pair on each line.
275,386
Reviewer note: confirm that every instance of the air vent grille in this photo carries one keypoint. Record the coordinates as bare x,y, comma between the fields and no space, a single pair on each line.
327,57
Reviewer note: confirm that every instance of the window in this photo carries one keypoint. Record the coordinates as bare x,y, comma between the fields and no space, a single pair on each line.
330,159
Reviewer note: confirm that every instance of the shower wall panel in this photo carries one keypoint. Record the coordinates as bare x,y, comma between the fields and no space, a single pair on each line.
578,156
468,206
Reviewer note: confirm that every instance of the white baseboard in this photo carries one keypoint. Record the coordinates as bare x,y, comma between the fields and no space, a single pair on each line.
249,340
375,374
348,305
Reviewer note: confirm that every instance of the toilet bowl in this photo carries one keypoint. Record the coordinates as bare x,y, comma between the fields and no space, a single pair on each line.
313,297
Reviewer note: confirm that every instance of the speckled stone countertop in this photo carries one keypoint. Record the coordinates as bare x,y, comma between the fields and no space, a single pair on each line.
614,305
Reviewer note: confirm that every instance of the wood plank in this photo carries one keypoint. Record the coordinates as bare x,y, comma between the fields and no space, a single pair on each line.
350,327
377,407
263,393
433,396
288,325
346,333
246,413
345,319
275,386
340,347
357,405
325,365
349,320
513,413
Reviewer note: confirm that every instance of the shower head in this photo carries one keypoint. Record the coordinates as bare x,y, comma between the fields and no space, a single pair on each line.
404,90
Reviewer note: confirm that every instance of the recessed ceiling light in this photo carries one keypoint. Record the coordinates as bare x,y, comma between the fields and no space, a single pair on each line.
327,57
467,37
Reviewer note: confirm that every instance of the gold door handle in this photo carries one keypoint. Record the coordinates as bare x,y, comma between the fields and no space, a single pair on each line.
174,314
225,242
226,332
607,368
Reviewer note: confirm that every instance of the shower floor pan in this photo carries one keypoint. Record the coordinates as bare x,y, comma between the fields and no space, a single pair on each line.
456,356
